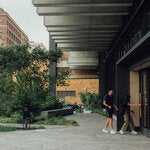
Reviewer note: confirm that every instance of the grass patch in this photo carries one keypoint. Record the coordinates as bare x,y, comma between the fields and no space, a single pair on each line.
51,120
57,121
45,121
33,128
6,120
6,128
15,118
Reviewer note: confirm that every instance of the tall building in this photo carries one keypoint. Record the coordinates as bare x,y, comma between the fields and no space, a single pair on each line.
10,32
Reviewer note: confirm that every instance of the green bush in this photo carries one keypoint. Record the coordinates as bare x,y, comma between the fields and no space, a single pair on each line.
56,121
15,118
6,128
52,102
91,101
6,120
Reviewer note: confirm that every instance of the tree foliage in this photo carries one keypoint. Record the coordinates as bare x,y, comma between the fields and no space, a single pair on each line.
25,78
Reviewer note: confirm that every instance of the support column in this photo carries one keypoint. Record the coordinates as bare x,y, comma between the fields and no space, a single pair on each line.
52,67
122,89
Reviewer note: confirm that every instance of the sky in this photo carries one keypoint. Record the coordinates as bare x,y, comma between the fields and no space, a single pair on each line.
24,14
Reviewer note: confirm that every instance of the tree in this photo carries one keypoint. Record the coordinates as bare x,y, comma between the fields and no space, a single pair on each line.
25,77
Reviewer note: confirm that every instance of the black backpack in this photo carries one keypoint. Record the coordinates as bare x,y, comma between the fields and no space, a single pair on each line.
101,103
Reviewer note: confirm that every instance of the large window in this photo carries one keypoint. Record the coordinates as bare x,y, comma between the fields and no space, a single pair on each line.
63,94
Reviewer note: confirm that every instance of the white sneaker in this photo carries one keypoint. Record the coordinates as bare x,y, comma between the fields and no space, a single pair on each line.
134,132
121,132
112,132
105,131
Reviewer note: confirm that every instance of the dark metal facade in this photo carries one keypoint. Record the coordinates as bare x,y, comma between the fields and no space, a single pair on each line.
131,49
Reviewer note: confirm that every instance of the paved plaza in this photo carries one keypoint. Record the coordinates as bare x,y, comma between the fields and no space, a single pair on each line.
86,136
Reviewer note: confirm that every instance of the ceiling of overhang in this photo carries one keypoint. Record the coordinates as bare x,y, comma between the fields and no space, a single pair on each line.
83,24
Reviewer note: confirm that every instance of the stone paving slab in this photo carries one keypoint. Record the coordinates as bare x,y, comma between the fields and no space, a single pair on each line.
86,136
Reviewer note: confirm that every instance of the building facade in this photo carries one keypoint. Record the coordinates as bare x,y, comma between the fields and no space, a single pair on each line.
10,32
119,31
127,67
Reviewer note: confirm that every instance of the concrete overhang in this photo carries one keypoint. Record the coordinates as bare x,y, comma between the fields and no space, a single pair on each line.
80,3
99,49
83,11
82,41
80,25
84,28
50,21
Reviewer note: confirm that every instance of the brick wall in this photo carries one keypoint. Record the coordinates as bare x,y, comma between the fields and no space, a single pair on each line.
79,86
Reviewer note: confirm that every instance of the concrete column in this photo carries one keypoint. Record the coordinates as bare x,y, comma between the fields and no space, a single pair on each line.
52,46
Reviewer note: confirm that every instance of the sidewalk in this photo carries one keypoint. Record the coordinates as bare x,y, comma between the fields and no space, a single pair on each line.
86,136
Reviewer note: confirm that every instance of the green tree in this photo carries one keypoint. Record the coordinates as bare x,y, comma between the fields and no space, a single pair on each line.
25,78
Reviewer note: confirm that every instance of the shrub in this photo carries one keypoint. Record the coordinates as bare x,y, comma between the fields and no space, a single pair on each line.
52,102
6,129
15,118
91,101
56,121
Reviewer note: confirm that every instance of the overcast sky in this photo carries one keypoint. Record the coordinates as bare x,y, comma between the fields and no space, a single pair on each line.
24,14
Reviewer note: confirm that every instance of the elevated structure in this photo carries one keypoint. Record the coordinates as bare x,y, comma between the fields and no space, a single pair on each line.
118,31
83,25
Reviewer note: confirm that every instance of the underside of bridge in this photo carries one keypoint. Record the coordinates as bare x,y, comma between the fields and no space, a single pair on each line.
111,36
83,25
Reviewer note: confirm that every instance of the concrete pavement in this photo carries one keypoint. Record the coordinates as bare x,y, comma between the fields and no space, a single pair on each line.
86,136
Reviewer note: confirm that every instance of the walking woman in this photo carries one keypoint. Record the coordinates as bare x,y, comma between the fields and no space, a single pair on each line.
128,120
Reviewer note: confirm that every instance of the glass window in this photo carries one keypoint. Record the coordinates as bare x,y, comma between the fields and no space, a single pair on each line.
63,94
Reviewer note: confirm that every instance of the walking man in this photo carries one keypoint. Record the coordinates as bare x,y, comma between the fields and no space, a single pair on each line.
109,106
